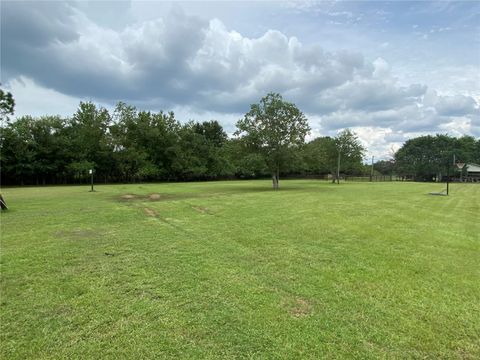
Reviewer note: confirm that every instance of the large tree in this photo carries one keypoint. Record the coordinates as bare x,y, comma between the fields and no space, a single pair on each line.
345,147
319,154
91,143
273,128
351,151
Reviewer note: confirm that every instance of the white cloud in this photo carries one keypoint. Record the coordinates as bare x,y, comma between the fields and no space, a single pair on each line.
32,99
202,68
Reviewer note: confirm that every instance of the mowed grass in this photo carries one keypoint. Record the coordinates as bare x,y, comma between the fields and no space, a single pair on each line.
235,270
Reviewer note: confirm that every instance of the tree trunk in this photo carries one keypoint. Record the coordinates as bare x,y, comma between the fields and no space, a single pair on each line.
278,178
274,182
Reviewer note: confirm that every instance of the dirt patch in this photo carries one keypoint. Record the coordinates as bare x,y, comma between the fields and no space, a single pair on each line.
153,214
150,212
150,197
201,209
128,197
300,308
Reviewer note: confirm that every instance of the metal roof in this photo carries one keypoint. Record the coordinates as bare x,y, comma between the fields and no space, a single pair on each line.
473,168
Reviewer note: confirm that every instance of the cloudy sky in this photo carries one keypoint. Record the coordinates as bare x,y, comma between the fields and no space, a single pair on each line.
389,70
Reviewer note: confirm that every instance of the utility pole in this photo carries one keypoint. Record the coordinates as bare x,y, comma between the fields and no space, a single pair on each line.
448,176
91,179
448,172
371,171
338,168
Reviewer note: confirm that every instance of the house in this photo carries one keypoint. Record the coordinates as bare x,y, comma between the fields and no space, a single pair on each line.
471,172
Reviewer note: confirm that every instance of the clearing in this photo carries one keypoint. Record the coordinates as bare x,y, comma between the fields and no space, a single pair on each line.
236,270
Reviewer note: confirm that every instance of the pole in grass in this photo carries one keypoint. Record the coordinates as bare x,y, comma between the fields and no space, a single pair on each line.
91,178
448,173
371,170
338,169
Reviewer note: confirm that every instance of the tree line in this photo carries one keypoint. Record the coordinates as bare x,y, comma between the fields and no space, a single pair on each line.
429,158
129,145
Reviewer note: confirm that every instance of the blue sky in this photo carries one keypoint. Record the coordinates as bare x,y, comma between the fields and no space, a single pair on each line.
389,70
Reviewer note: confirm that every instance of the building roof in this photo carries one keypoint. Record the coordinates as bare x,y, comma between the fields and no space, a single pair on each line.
473,168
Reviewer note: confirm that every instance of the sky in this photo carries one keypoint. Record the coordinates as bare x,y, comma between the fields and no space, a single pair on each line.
388,70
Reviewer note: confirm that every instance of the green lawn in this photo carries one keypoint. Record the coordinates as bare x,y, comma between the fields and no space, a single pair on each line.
235,270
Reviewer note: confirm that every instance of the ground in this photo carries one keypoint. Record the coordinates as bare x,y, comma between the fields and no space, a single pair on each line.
236,270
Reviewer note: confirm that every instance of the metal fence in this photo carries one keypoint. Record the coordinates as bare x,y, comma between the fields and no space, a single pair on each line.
374,178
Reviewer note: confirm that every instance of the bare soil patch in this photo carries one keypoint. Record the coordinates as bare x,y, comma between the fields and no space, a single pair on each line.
150,212
128,197
201,209
300,308
151,197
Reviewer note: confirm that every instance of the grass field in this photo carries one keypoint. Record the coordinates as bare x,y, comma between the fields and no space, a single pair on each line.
235,270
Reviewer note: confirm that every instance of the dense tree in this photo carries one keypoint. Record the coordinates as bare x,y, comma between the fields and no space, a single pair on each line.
18,151
385,167
322,154
351,151
51,149
273,128
318,155
143,142
242,162
7,104
91,141
431,157
132,145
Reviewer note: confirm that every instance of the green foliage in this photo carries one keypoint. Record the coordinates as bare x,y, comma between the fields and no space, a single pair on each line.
18,150
273,128
319,154
91,138
351,151
80,169
132,145
385,167
431,157
7,104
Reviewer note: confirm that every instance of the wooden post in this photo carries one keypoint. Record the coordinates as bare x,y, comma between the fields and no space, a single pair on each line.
91,179
3,205
338,169
371,171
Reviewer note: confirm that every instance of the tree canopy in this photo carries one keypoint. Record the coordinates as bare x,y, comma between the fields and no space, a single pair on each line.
130,145
431,157
7,103
273,128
